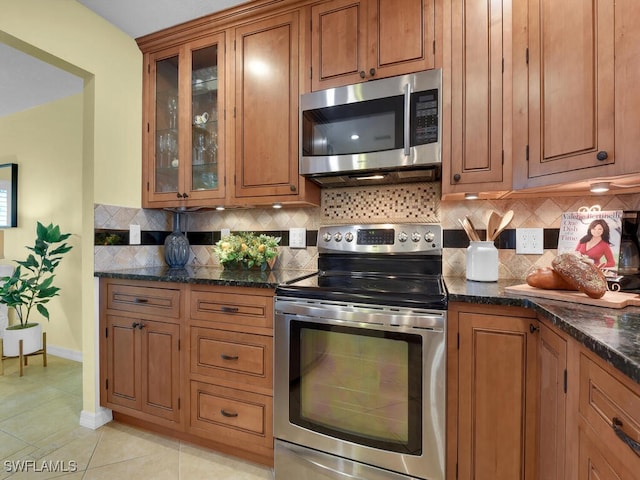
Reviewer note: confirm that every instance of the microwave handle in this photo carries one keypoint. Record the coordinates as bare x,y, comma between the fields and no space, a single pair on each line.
407,118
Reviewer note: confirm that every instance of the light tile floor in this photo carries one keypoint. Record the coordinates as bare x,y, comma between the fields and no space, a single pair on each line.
41,438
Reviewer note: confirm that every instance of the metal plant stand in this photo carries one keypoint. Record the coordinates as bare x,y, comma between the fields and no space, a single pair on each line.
23,358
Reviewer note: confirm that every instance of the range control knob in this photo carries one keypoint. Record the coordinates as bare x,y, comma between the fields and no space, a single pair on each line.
327,237
429,236
337,237
415,237
402,237
348,237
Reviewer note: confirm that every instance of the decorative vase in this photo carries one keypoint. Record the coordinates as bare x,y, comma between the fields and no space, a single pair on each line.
176,245
31,340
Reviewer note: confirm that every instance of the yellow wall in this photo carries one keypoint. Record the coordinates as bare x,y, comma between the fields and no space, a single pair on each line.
66,34
46,143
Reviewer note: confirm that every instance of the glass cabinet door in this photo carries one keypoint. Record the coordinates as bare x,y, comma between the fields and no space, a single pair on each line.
167,106
185,131
206,103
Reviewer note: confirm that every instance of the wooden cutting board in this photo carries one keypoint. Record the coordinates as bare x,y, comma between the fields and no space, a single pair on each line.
609,300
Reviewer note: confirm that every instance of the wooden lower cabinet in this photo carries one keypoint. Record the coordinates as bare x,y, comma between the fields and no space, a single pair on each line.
491,392
140,351
552,401
192,361
231,369
609,420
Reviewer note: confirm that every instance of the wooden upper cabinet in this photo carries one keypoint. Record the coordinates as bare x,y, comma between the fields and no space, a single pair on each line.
267,59
183,134
567,132
359,40
477,96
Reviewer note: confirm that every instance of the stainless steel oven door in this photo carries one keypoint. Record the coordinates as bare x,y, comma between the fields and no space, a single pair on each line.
362,382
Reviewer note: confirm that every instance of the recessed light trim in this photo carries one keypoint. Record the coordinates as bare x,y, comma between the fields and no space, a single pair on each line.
600,187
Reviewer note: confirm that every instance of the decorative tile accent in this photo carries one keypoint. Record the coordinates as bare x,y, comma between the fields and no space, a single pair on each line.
404,203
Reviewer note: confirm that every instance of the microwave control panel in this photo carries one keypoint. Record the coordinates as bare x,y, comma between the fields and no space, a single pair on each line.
424,111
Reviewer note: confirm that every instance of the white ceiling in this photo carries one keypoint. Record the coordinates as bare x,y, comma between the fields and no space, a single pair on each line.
26,82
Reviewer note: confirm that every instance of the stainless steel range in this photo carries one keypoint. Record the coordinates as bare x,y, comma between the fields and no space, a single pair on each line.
360,358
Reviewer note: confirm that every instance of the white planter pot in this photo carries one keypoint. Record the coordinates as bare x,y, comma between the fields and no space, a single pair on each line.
31,340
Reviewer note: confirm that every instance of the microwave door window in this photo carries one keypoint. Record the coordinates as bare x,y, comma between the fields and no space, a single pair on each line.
361,127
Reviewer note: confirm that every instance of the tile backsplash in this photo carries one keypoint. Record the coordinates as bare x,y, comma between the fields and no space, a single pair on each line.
405,203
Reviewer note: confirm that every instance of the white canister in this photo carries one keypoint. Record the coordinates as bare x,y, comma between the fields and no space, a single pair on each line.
482,262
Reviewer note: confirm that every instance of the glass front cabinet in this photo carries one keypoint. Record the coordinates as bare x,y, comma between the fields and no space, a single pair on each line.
184,125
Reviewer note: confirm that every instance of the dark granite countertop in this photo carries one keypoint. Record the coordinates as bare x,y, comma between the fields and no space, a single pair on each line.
209,276
612,333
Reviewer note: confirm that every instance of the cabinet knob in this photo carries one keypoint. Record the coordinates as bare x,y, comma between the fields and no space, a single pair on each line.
185,195
456,177
179,195
533,328
372,72
292,188
602,155
134,325
362,74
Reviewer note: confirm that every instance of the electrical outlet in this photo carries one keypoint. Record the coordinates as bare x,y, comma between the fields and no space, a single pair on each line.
225,232
530,241
297,238
134,234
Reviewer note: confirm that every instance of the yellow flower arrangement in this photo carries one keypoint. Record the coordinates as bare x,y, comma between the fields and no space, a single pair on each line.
247,250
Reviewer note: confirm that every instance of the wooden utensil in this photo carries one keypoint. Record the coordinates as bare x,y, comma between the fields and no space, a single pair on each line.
503,223
476,235
492,224
466,228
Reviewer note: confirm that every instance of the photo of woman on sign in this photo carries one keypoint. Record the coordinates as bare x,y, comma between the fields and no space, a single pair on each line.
596,244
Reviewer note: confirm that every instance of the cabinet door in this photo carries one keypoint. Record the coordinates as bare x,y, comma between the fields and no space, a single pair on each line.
477,78
359,40
160,368
571,87
184,135
338,43
496,385
123,362
267,62
552,368
401,36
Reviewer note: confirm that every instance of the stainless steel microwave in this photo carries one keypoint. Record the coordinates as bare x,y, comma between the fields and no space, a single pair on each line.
381,131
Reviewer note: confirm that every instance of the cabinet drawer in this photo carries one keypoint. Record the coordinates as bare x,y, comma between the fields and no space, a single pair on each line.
231,416
232,356
232,309
162,302
605,400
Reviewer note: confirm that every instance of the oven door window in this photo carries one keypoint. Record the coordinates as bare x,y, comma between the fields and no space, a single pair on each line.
360,385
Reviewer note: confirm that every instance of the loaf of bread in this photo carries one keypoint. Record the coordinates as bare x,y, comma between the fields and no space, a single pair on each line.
549,279
584,275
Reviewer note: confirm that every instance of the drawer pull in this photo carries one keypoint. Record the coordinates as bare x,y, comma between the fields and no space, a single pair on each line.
141,300
228,357
229,309
228,414
616,424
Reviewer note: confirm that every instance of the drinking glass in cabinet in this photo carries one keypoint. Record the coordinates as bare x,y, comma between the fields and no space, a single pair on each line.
172,108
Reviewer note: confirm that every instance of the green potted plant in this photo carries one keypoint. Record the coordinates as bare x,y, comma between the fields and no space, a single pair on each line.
31,285
247,250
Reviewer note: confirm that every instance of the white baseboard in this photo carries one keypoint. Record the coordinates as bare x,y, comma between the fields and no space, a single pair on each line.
95,420
64,353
